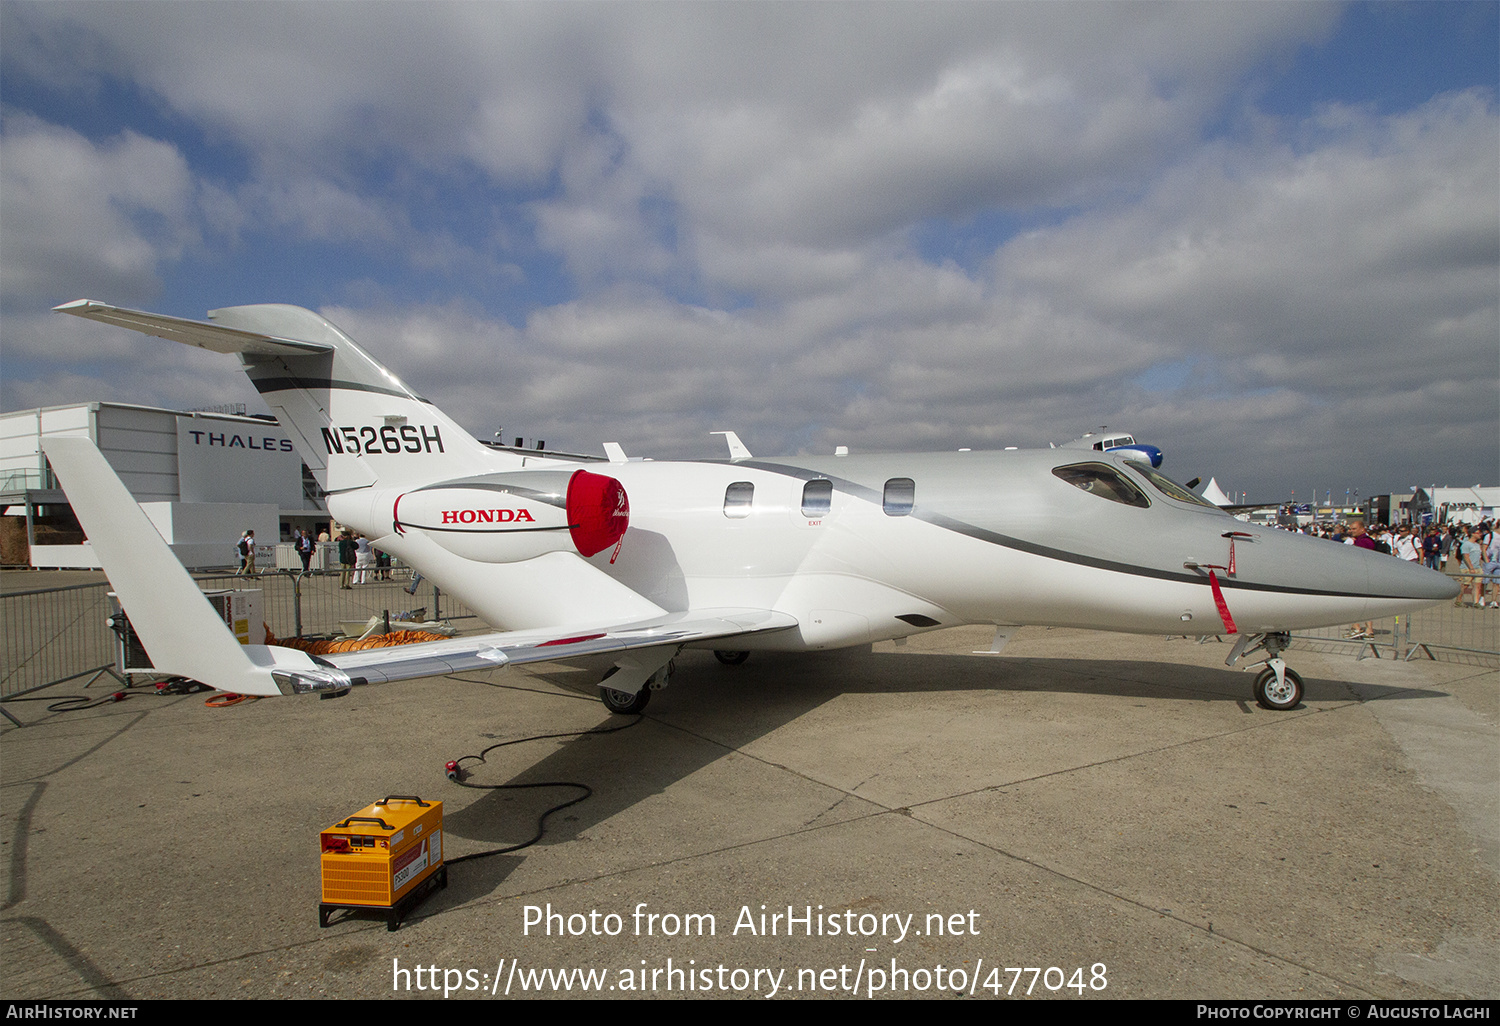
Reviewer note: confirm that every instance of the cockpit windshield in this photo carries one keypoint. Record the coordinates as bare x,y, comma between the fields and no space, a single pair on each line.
1167,486
1104,481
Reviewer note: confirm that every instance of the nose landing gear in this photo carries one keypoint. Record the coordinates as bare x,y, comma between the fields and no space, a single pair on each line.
1278,686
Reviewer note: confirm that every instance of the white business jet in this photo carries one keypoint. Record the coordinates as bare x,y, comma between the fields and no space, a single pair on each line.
634,560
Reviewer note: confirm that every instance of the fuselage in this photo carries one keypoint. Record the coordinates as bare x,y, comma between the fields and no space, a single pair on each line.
874,547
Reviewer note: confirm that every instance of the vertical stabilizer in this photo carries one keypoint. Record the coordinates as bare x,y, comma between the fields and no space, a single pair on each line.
353,420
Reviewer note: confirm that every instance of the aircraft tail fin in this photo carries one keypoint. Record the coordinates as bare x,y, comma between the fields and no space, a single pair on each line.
351,419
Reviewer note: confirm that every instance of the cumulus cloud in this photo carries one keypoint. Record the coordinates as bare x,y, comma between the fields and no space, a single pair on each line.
1347,266
766,124
738,196
91,218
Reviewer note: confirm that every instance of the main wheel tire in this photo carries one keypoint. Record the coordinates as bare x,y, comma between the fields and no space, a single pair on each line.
731,658
1270,695
623,702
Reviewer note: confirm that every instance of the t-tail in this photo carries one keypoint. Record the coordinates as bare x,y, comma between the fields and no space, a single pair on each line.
353,421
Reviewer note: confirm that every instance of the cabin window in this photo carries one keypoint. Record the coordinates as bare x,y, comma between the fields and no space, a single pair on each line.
900,496
737,499
1103,481
817,498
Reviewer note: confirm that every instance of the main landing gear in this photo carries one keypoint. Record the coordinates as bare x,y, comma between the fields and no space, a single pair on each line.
627,702
1277,686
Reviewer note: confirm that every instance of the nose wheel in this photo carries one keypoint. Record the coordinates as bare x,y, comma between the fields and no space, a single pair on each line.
1278,692
1277,687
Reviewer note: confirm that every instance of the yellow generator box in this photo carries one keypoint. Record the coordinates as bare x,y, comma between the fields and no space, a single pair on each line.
386,857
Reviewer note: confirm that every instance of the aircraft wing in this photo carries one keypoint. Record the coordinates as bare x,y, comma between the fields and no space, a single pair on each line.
504,648
184,635
217,337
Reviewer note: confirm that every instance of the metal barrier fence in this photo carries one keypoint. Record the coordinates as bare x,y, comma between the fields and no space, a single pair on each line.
315,602
54,634
51,635
1449,631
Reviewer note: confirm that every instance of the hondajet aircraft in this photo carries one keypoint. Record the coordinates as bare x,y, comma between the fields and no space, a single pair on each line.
634,560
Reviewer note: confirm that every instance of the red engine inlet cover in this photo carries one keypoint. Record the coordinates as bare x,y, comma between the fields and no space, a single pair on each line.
598,511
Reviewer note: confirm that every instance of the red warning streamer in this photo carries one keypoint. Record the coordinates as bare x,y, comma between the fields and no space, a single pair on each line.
1213,583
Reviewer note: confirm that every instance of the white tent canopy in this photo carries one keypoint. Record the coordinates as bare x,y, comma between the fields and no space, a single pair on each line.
1214,494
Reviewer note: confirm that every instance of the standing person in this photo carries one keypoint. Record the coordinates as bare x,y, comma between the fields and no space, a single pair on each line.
1431,548
1492,567
364,559
1470,558
347,555
304,546
1359,539
1407,545
247,553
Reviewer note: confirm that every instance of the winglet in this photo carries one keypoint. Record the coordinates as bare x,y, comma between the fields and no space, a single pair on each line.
615,451
737,450
180,630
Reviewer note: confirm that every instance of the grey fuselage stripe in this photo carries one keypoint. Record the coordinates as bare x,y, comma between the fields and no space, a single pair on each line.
285,383
519,491
948,523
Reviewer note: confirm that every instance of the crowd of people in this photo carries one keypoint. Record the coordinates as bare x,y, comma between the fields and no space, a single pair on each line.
359,561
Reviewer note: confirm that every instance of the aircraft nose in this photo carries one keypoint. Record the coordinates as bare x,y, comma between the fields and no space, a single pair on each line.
1294,561
1399,578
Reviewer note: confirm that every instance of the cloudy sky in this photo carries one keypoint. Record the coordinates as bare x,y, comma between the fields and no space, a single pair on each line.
1264,236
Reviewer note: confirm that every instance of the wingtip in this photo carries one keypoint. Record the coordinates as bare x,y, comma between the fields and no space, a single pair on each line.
77,304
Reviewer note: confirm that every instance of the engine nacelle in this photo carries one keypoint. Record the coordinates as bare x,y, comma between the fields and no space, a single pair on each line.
508,517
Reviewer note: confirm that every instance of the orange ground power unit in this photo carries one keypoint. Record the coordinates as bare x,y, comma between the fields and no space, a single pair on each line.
385,858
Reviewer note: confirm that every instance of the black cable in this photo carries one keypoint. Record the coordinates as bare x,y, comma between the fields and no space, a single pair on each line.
541,824
72,703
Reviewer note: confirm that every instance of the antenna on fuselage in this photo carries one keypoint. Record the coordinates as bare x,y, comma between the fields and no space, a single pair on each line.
737,450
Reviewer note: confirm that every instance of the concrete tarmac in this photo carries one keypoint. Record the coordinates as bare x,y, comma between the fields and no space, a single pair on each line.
1111,814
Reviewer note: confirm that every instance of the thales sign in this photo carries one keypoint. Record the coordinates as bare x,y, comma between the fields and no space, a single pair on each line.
232,461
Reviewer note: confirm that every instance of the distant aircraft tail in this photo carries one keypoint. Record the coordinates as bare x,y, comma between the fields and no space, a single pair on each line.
352,420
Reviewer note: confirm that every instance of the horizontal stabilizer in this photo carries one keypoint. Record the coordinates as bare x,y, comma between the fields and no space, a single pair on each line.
202,334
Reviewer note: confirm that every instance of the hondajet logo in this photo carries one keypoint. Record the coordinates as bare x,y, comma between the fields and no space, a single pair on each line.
487,516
